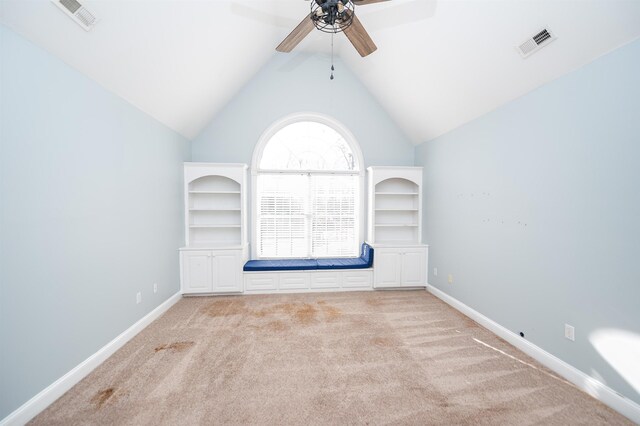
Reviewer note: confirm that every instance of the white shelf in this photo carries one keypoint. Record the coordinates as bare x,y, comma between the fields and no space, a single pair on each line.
214,226
395,225
214,192
396,193
397,243
215,210
214,244
397,210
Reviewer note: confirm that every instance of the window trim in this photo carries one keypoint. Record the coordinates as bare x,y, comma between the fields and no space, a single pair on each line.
264,140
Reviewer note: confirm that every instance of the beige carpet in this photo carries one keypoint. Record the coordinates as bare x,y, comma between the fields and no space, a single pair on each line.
400,357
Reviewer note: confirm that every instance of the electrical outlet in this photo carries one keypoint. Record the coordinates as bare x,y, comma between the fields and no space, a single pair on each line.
138,297
450,279
570,332
435,272
155,287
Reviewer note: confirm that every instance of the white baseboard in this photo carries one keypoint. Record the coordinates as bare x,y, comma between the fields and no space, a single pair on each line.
46,397
588,384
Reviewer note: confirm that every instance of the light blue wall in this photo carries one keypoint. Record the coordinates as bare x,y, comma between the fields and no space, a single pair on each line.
535,210
90,213
296,82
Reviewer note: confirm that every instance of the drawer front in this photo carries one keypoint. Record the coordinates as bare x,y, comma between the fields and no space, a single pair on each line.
357,279
260,281
325,279
294,281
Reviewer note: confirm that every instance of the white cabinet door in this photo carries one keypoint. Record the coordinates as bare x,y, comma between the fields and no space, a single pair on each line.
387,268
413,268
227,275
196,269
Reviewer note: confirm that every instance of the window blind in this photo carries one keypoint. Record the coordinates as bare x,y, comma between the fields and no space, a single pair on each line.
307,215
333,218
282,215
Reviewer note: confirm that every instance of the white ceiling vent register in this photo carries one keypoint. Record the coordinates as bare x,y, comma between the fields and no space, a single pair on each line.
537,42
77,12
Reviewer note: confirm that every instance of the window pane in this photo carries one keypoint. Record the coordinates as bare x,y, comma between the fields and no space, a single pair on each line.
334,230
307,145
281,217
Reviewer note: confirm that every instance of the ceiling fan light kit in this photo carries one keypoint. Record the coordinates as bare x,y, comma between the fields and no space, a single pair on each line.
332,16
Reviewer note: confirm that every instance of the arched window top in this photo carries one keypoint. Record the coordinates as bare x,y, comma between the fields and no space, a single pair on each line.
307,143
307,189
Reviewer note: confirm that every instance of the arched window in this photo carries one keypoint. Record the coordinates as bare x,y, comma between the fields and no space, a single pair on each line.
308,190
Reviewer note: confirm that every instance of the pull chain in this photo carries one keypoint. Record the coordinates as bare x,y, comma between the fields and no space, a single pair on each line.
332,68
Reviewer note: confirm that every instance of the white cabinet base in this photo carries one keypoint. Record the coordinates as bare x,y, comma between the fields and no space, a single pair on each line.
308,281
205,271
400,266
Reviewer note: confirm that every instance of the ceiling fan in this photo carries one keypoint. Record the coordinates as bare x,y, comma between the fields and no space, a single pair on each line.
333,16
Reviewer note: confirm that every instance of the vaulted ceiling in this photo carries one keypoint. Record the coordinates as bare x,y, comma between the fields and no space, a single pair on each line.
439,63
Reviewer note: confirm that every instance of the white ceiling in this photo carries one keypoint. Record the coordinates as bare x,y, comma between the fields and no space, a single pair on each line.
439,63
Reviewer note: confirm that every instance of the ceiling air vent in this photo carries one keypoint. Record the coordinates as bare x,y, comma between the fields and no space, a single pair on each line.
77,12
537,42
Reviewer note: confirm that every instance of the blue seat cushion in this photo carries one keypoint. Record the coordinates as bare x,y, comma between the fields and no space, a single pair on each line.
281,265
342,263
364,261
366,254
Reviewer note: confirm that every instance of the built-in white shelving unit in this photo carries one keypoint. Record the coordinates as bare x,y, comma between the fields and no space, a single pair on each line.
215,227
395,226
394,205
215,205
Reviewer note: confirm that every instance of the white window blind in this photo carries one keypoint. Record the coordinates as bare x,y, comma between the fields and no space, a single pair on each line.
282,215
333,221
307,215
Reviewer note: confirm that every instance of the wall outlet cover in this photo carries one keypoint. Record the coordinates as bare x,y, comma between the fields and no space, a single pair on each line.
450,279
570,332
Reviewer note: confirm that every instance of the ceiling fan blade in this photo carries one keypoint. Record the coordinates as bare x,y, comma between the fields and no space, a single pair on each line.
366,2
359,37
296,36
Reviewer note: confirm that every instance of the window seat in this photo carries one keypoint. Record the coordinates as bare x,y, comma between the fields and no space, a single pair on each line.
364,261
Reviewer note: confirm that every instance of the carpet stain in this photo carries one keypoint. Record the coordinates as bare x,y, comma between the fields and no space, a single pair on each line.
277,326
374,302
261,313
226,307
305,314
331,313
264,312
493,410
301,313
383,341
175,347
102,397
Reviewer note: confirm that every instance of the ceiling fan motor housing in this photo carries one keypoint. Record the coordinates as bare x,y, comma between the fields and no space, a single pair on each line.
332,16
